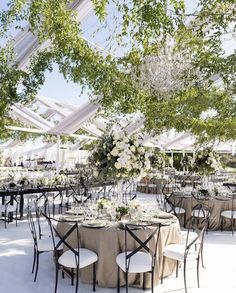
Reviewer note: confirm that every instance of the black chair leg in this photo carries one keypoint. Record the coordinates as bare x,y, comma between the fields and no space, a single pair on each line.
72,277
198,282
177,268
94,277
152,282
37,266
127,282
221,225
118,280
185,282
202,257
144,281
163,267
34,261
233,224
16,219
184,220
56,279
77,280
5,220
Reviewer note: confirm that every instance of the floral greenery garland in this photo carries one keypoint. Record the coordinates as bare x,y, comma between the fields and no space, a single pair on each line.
119,156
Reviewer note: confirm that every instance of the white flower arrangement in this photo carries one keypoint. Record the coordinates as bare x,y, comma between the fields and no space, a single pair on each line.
206,162
103,203
119,156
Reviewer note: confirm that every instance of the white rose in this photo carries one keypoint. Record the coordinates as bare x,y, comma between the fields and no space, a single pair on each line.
136,143
132,148
141,150
116,136
95,173
128,168
117,165
114,152
147,165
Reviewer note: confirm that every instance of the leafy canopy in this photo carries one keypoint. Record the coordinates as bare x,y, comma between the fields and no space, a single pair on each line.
146,28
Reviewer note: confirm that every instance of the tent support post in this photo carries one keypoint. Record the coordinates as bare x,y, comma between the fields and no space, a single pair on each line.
58,155
183,157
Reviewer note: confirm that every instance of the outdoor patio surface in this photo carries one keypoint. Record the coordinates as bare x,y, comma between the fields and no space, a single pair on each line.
16,254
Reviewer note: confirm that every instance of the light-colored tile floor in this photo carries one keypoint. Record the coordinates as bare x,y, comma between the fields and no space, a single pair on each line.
16,260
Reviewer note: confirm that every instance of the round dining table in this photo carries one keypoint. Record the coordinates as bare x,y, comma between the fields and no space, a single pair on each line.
109,241
215,204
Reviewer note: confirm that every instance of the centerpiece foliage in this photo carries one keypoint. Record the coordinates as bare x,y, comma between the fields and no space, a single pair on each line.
117,156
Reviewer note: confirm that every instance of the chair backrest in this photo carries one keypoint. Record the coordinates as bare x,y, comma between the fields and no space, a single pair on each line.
64,239
233,202
143,243
129,190
173,203
11,196
200,230
32,227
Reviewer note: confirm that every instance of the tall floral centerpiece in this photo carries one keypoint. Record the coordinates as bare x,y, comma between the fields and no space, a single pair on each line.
206,162
118,156
159,161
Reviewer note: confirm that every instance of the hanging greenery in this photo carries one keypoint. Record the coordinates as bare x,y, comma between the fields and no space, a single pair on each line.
148,27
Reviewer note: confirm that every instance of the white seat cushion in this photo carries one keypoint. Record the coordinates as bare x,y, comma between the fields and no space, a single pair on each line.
199,213
229,214
140,262
178,210
86,258
176,251
191,236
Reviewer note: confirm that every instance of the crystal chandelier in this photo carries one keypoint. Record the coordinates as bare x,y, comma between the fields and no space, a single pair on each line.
167,73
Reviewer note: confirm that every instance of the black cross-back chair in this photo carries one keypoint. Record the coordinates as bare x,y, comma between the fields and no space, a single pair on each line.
192,248
81,194
172,204
127,260
230,214
9,210
201,210
74,257
40,246
129,190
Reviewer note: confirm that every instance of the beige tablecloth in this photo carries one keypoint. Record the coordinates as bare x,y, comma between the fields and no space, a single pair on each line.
108,243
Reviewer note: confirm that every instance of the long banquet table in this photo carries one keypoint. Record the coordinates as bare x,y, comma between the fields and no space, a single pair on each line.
22,192
108,242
